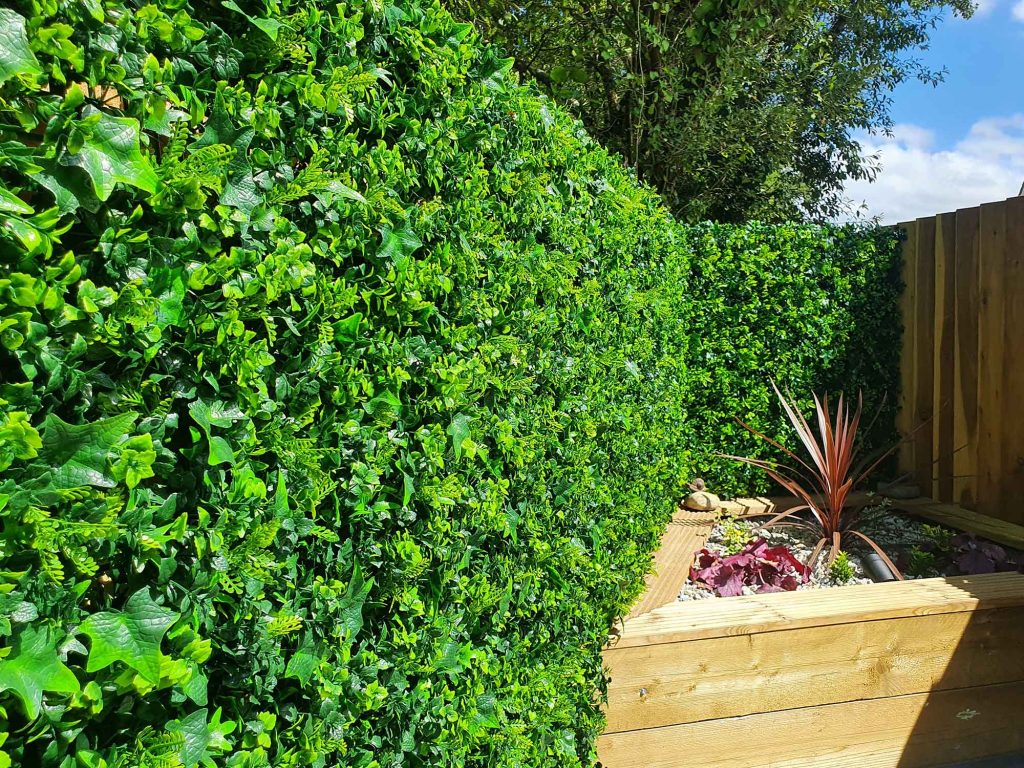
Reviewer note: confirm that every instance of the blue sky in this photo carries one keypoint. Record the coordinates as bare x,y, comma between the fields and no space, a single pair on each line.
961,143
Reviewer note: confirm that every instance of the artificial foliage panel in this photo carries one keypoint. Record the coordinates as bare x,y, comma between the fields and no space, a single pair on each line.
346,386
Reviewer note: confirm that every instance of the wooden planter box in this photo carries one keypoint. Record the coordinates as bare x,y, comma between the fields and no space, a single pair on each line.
911,674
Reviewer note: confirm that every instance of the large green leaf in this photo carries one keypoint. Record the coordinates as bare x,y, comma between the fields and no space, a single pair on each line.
110,154
34,668
78,453
131,636
16,58
240,188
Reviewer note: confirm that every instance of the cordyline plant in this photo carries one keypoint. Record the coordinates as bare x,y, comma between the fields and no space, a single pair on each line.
824,482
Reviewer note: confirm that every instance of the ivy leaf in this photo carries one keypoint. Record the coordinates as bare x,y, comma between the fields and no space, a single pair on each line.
397,246
196,738
78,452
303,662
268,26
110,154
352,602
131,636
16,58
35,667
459,430
494,72
71,187
239,187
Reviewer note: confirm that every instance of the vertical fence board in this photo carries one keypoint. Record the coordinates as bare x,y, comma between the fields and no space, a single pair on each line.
924,365
1012,349
908,308
991,333
965,397
943,358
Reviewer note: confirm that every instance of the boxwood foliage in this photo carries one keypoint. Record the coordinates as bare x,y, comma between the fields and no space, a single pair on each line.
346,387
816,309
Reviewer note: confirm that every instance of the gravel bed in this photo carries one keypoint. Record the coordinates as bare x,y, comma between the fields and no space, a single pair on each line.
885,527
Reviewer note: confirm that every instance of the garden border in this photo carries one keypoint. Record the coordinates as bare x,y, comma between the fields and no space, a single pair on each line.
912,674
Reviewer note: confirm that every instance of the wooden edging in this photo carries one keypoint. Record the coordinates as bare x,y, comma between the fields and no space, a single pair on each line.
920,730
701,619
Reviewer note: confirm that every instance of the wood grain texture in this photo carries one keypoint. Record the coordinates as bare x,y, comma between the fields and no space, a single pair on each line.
913,731
944,356
924,352
1001,531
965,395
1012,433
991,333
749,614
682,538
908,313
671,683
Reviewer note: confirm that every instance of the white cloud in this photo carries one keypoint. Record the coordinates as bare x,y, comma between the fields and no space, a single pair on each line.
918,180
1018,11
985,7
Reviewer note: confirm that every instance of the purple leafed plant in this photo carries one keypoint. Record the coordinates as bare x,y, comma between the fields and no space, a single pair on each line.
758,566
973,555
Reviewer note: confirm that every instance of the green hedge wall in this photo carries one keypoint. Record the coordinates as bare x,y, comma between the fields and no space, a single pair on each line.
346,387
817,309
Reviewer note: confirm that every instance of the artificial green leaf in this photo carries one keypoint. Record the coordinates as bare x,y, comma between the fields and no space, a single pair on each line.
303,663
110,154
240,189
78,453
397,245
459,430
196,736
16,58
270,26
494,71
131,636
34,668
351,608
11,203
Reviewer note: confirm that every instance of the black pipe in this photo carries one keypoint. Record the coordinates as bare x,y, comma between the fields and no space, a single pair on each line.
876,567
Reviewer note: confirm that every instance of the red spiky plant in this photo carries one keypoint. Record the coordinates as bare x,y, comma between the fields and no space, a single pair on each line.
823,482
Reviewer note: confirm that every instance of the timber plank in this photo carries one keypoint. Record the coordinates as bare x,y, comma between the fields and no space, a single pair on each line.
991,332
965,397
748,614
924,352
690,681
944,356
1001,531
913,731
683,536
908,359
1012,461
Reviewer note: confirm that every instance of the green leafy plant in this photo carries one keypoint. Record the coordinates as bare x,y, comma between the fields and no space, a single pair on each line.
841,569
921,563
734,534
339,418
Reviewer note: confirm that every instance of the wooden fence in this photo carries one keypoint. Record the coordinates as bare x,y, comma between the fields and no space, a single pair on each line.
963,357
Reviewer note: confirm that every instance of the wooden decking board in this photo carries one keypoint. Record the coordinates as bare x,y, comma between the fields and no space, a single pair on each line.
1010,534
952,515
914,731
681,621
669,683
683,537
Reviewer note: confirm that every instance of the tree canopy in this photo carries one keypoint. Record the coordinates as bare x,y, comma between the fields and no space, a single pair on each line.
733,109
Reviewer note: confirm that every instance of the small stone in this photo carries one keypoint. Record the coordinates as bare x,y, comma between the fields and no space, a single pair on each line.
702,501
